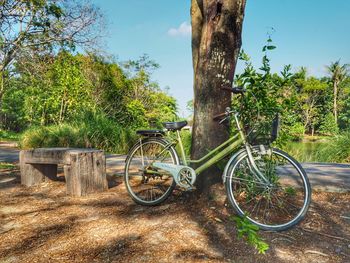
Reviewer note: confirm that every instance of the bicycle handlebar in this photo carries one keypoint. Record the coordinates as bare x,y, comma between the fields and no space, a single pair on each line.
219,116
235,90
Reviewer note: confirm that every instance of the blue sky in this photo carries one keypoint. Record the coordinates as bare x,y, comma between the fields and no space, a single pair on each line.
309,33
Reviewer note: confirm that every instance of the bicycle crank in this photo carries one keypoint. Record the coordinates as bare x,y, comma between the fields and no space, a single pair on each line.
184,176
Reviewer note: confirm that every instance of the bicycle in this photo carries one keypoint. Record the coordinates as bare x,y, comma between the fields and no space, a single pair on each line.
264,184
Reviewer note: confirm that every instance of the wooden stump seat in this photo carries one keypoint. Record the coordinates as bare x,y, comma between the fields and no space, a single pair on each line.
84,169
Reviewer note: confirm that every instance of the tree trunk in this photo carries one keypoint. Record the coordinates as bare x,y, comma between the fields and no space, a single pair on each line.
335,94
216,42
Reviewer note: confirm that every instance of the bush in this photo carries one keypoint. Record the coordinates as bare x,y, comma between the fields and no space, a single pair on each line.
296,131
329,125
89,131
186,137
8,135
337,150
63,135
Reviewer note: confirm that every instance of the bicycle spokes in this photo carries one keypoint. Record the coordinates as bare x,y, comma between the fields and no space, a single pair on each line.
278,203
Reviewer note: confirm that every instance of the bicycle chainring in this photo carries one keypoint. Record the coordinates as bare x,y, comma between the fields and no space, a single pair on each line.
186,177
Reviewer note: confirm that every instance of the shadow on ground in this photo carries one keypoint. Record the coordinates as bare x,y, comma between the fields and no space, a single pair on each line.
42,224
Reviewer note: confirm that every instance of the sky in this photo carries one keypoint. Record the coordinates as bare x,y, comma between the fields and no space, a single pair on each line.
310,33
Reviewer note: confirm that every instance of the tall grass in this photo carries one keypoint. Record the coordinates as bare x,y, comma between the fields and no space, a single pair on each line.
8,136
337,150
88,131
331,149
186,137
305,151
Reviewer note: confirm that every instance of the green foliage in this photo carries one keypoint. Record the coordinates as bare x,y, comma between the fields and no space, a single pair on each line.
103,133
344,104
54,92
59,89
42,26
296,131
90,131
186,137
263,99
305,151
290,191
190,106
84,101
8,136
338,72
136,113
337,150
13,112
63,135
303,103
250,232
328,125
9,166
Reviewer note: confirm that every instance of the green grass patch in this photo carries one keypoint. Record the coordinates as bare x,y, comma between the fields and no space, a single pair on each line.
337,150
7,166
325,149
9,136
305,151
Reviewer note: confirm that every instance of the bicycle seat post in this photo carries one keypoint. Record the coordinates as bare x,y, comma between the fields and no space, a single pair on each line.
182,150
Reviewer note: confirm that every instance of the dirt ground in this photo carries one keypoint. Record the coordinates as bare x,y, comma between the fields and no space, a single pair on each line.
42,224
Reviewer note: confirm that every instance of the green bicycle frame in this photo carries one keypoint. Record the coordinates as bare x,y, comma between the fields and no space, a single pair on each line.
219,152
216,154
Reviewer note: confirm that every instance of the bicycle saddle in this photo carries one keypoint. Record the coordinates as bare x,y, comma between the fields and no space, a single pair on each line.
174,126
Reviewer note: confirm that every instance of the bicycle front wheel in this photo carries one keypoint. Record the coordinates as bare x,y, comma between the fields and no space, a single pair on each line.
145,184
277,205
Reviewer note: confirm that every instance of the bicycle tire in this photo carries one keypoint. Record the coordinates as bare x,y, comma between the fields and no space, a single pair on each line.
152,141
256,191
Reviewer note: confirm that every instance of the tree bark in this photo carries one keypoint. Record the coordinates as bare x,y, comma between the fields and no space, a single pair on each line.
216,42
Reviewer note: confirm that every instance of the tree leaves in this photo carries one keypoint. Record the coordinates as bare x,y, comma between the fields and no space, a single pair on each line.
54,90
250,231
265,48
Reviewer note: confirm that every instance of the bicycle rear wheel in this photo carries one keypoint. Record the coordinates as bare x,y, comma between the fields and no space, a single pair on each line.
145,184
277,205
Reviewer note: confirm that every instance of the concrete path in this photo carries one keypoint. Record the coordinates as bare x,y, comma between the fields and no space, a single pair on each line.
8,154
328,177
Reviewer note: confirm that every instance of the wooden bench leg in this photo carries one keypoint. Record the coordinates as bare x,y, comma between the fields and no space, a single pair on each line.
86,173
33,174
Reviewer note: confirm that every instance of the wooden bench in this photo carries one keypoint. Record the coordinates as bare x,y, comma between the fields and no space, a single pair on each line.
84,169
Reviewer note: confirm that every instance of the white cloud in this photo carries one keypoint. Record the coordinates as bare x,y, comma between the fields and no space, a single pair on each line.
182,31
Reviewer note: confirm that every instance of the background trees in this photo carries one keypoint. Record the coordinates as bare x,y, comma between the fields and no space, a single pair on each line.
72,84
45,82
40,26
338,74
56,92
305,103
